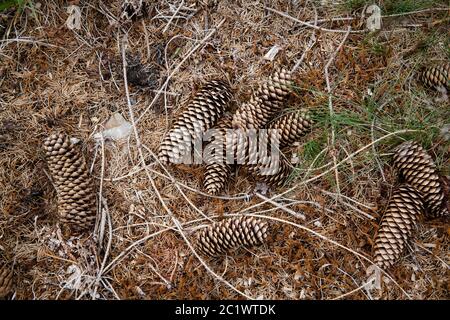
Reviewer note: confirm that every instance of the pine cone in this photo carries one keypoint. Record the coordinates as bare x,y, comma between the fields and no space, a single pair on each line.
417,168
6,280
273,172
74,186
222,236
218,170
265,102
397,225
200,115
291,127
436,76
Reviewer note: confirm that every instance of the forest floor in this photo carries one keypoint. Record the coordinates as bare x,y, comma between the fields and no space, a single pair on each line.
322,222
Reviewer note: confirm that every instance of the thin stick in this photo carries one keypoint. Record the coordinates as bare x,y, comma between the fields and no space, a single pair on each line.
131,246
61,259
331,110
414,12
26,40
374,149
176,185
385,16
100,223
353,207
279,206
310,168
166,282
147,43
173,16
307,24
108,247
311,43
430,252
352,292
105,281
372,135
348,198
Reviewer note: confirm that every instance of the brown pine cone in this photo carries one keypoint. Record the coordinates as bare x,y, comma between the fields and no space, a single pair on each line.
218,170
291,127
436,76
74,186
417,168
273,172
397,225
201,114
230,233
265,102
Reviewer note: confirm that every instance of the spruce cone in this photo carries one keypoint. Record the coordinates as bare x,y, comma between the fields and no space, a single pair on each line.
6,280
436,76
282,132
291,127
397,225
417,168
222,236
74,186
218,170
273,175
200,115
265,102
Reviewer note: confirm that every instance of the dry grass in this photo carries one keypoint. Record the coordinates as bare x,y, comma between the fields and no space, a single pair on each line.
53,78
